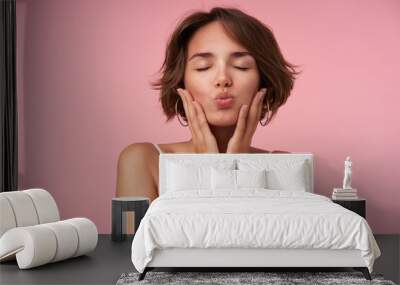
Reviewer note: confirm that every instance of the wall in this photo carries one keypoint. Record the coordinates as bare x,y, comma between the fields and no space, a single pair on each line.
84,68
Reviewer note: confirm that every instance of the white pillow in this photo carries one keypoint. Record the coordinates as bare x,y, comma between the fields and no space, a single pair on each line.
291,178
251,178
281,174
223,179
184,175
237,179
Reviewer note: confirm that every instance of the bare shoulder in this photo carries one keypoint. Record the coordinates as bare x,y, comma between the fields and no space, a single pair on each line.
147,151
137,151
136,170
142,157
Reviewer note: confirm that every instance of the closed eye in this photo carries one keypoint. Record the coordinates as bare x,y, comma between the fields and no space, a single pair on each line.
202,69
240,68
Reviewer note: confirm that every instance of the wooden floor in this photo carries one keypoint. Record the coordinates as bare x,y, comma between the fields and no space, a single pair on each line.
111,259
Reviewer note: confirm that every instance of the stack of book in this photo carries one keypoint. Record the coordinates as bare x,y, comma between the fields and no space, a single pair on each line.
344,194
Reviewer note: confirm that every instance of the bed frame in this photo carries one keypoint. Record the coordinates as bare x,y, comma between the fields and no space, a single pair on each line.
240,259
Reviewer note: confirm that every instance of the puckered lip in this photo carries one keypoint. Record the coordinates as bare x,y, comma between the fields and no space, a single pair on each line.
223,96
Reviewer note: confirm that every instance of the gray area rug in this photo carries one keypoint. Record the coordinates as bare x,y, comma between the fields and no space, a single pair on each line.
225,278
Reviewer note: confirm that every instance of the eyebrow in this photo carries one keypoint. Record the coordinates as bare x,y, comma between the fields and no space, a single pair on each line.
236,54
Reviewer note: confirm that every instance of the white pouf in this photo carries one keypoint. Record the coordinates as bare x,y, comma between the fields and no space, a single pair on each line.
31,233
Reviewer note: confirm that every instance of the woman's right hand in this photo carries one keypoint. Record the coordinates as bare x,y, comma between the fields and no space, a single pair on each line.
203,140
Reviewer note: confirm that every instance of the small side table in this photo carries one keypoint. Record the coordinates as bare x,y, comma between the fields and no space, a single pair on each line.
358,206
125,204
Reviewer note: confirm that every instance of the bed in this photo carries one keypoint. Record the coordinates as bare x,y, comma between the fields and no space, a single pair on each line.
247,210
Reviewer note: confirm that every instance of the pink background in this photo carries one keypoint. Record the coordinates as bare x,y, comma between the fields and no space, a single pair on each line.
84,68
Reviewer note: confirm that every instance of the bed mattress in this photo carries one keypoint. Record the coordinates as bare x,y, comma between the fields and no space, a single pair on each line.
250,219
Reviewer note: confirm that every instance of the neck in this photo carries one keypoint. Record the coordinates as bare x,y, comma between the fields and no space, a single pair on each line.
222,136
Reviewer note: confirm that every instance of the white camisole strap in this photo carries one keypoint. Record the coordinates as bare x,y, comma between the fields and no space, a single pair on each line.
157,147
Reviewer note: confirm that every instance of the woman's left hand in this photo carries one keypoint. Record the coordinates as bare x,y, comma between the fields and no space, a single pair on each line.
246,125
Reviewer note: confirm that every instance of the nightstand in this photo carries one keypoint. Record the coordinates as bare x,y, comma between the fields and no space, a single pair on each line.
358,206
120,208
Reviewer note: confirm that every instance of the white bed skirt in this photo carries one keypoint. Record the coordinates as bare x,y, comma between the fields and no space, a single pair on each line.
235,257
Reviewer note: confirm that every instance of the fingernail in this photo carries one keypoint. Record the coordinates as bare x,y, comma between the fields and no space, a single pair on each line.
181,93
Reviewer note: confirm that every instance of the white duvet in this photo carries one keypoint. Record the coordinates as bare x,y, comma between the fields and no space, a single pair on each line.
250,218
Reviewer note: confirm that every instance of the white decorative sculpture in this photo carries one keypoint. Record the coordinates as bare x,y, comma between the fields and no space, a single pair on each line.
347,174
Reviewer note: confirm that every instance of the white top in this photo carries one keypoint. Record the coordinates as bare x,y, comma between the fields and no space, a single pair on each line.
158,148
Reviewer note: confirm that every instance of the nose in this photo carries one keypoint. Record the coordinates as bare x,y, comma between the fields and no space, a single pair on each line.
223,80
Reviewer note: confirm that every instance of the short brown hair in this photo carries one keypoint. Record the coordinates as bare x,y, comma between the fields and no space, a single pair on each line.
276,74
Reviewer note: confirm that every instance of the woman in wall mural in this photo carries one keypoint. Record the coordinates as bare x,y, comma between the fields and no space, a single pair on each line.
223,74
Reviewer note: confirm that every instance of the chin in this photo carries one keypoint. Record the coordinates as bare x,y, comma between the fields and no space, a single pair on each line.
225,120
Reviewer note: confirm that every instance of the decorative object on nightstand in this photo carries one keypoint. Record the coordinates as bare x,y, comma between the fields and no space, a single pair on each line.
358,205
347,192
123,209
344,194
347,173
